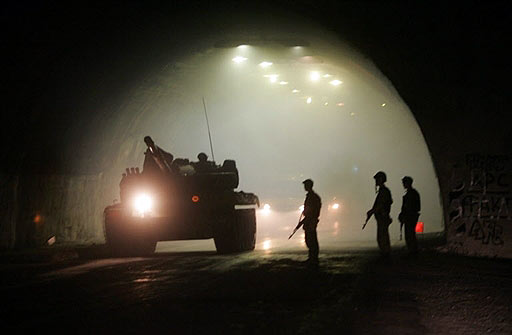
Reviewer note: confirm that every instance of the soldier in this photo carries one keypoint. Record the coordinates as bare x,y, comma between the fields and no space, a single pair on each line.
157,159
202,164
381,208
311,212
409,214
202,157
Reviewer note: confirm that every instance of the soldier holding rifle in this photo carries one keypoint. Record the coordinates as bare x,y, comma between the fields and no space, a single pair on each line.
309,221
381,208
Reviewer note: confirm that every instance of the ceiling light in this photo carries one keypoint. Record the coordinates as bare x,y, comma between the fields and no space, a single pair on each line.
272,77
239,59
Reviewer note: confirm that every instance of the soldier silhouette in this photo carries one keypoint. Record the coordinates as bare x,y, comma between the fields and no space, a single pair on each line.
202,164
202,157
311,212
381,208
409,214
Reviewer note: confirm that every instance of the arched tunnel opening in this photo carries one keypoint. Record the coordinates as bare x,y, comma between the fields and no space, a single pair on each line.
286,99
331,91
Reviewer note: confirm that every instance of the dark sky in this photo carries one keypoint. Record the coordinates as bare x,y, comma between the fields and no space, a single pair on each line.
448,63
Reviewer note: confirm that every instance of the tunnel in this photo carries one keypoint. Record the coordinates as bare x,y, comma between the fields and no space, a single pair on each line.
284,97
293,91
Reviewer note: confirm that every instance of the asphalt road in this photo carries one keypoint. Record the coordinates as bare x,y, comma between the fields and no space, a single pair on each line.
185,292
188,288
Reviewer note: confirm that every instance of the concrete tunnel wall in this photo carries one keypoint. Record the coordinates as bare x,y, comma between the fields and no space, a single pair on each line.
77,197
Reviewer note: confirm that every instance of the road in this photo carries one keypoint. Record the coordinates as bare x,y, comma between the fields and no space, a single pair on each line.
188,288
181,291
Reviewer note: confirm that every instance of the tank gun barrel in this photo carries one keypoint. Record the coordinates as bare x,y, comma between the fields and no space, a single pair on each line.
158,155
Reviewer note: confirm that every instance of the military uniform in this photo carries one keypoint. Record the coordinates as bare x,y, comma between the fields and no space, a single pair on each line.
381,208
312,206
409,215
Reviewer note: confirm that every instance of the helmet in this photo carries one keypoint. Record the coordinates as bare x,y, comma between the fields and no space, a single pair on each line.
308,182
202,156
407,179
382,175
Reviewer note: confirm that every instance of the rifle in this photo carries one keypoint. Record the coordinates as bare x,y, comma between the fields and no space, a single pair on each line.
364,225
298,225
368,216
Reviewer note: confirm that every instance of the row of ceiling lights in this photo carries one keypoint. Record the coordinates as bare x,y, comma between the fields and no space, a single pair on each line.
314,76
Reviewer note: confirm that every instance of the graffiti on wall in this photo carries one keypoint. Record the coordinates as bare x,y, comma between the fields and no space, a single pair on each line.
480,199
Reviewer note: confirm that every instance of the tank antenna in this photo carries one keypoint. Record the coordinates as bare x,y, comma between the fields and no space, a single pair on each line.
208,125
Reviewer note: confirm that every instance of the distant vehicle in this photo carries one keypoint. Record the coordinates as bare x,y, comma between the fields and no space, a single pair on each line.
175,199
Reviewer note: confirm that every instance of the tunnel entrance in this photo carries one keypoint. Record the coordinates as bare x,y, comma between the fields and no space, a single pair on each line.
286,106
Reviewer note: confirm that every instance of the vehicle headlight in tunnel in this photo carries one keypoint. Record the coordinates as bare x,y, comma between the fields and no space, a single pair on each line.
266,209
143,204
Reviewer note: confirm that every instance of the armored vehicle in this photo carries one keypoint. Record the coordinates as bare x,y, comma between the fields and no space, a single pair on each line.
175,199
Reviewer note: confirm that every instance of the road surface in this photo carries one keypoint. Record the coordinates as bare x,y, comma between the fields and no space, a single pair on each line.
187,288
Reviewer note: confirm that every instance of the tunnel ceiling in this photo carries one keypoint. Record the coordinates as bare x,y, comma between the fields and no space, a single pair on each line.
66,66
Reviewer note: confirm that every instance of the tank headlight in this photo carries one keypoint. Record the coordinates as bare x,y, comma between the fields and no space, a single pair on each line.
142,204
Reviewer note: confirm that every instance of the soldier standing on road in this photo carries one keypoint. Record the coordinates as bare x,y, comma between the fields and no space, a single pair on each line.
381,208
409,214
311,212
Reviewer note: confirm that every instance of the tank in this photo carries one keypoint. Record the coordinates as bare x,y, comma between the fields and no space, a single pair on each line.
177,199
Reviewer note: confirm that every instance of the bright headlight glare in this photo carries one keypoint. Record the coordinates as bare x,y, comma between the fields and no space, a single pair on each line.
266,209
143,204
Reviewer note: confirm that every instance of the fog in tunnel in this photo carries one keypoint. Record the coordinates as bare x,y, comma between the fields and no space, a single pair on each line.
287,104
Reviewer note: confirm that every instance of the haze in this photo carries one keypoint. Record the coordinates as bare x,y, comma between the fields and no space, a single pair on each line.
319,111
